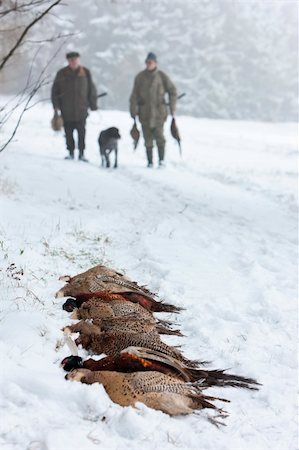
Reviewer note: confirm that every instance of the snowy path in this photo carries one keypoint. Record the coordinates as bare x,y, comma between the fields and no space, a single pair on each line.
215,233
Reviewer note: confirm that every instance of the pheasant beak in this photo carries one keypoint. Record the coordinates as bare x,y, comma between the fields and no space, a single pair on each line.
60,293
77,374
66,278
66,330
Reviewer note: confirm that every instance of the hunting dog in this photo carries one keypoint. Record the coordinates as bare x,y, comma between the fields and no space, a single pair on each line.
108,142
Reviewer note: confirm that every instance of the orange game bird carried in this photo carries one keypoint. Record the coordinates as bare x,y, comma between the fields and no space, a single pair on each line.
175,133
173,127
57,121
135,134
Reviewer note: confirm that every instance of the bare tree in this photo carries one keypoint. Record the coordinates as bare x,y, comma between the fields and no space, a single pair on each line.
18,20
24,8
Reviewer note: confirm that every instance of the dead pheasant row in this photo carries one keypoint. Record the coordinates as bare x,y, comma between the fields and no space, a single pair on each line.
115,317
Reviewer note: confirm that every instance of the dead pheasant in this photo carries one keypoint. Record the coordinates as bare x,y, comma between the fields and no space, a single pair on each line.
138,359
156,390
126,312
175,133
100,279
110,305
134,325
112,342
135,134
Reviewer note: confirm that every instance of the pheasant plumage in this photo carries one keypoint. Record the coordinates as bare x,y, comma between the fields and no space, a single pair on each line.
112,342
154,389
100,279
126,312
117,320
97,308
138,359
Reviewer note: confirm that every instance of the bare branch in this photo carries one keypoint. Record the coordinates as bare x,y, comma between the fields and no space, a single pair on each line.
33,88
38,18
51,39
18,121
17,8
41,100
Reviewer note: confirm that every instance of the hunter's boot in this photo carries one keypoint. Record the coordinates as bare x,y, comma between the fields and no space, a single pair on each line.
71,155
149,154
81,156
161,153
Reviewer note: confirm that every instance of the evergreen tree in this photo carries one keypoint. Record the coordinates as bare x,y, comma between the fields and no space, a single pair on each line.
234,59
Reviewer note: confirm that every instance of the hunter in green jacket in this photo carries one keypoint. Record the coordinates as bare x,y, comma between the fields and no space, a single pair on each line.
147,101
73,93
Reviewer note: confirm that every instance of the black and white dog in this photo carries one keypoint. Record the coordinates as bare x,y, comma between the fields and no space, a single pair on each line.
108,142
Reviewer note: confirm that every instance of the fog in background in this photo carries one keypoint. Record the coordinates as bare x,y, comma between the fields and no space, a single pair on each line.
233,59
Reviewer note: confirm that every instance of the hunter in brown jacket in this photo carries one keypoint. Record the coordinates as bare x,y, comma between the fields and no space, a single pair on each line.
73,92
147,101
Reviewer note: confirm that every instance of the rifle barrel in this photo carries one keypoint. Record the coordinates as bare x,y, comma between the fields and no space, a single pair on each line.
178,97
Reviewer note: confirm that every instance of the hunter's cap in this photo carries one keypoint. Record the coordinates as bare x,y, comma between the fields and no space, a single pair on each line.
151,57
70,55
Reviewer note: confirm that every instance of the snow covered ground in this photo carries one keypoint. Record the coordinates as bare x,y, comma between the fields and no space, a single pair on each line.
214,232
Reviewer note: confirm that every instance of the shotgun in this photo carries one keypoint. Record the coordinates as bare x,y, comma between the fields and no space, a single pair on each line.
178,97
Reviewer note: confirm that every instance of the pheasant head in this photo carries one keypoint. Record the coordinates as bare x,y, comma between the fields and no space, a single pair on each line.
71,362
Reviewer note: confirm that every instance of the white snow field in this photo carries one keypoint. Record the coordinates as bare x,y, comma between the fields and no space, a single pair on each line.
214,232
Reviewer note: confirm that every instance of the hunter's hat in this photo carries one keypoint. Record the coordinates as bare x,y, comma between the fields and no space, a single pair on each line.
70,55
151,57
